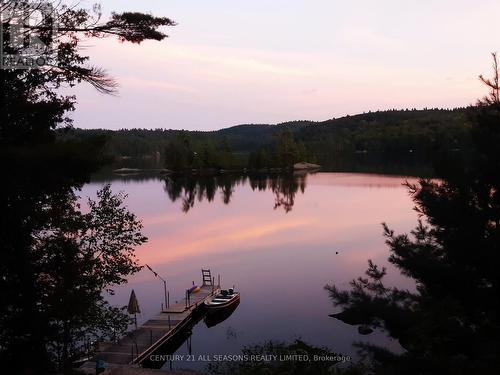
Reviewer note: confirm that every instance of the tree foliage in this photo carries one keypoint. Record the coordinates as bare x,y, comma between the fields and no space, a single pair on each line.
451,323
57,261
493,84
283,153
79,255
386,137
185,152
281,365
31,102
56,257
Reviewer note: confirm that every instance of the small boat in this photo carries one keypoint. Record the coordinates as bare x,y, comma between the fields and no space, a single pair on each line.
223,300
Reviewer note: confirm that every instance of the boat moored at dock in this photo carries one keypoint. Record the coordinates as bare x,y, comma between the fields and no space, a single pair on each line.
222,300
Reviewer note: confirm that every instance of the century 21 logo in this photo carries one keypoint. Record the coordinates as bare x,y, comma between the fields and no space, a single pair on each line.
26,33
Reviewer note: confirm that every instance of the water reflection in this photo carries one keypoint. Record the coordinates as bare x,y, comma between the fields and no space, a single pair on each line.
451,323
211,320
289,256
184,337
189,189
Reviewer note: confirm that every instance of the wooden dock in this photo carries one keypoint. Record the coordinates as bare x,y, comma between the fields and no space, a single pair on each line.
137,346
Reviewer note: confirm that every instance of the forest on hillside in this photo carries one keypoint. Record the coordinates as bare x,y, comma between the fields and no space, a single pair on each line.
389,134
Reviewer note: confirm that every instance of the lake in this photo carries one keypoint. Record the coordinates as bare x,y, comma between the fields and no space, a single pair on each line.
277,239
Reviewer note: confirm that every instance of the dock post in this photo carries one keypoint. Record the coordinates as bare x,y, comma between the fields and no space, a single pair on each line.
169,322
168,300
213,284
165,293
162,306
218,280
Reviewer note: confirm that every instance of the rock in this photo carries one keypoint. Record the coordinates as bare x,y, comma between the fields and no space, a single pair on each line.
365,330
304,165
126,170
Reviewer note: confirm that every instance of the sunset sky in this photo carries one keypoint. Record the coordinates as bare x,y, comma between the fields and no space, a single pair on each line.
261,61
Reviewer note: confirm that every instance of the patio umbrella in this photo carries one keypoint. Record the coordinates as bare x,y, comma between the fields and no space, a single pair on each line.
133,306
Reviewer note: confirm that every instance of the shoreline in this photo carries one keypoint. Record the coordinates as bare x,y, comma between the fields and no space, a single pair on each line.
298,167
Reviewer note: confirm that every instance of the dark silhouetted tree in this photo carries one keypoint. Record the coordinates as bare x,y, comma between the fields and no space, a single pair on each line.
56,259
451,323
31,103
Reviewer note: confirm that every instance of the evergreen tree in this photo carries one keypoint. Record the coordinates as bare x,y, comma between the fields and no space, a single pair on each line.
451,323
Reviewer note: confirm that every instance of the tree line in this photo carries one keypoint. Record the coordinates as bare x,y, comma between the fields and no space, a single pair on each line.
183,153
426,133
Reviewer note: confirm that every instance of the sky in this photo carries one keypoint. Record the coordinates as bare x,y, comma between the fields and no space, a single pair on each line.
239,62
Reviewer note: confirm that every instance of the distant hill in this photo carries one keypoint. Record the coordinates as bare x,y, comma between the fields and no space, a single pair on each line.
249,137
383,132
391,131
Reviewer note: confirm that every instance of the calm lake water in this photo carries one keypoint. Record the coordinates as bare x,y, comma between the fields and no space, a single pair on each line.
276,239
